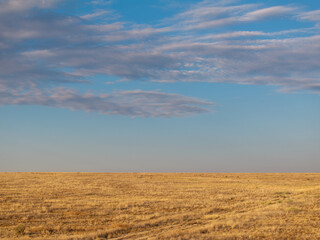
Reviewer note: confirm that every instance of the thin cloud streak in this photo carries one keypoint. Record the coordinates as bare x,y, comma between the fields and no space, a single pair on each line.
134,103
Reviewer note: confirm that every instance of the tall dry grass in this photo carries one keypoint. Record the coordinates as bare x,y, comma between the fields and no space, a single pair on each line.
159,206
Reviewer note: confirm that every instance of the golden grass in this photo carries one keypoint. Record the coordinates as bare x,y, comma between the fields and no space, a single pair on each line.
159,206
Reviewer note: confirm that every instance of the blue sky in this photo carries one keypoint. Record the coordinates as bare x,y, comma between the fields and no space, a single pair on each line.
121,85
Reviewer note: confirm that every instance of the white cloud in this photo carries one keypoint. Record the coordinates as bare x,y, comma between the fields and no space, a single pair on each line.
7,6
192,46
311,16
209,15
267,13
95,15
134,103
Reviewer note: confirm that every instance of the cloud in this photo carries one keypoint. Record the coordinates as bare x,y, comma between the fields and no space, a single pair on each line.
95,15
45,49
134,103
234,35
9,6
313,16
208,15
268,13
209,11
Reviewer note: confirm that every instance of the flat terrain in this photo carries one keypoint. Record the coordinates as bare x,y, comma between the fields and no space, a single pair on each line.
159,206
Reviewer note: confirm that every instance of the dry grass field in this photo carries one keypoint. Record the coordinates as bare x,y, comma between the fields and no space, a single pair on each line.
159,206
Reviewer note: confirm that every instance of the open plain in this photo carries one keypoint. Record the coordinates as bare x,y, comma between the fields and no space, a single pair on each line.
159,206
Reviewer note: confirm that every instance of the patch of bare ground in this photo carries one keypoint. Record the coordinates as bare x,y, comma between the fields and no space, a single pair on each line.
91,206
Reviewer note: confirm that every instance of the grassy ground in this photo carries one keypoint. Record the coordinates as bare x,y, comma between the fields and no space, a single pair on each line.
159,206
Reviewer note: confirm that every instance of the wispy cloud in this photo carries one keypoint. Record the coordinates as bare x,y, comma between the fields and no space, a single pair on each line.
209,15
9,6
134,103
268,13
95,14
311,16
46,49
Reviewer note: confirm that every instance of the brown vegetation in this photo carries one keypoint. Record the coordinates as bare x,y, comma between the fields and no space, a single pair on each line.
159,206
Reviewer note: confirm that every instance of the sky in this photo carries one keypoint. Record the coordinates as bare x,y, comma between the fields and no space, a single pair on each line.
160,85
